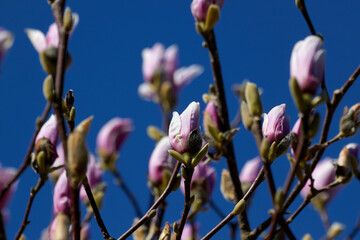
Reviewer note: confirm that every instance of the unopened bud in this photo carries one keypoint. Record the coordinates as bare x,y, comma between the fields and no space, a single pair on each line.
175,227
212,17
302,103
177,183
245,115
349,123
68,20
154,133
239,207
48,88
151,214
279,198
253,99
226,186
166,233
48,59
61,230
335,229
78,153
306,237
69,99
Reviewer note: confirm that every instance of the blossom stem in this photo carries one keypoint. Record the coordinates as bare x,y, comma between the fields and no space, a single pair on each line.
95,209
145,218
187,203
120,182
307,17
27,159
33,192
225,124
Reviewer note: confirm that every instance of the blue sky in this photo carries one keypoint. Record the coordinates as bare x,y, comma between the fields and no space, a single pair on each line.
255,39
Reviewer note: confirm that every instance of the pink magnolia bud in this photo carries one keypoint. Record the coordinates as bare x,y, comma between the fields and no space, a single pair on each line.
49,130
112,135
276,124
353,150
59,228
307,63
250,170
6,174
323,174
199,8
211,116
94,174
161,160
47,139
157,59
61,197
6,41
204,176
184,131
190,232
42,42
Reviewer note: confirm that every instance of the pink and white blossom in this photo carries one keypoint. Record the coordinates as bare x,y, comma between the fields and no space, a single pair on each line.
276,124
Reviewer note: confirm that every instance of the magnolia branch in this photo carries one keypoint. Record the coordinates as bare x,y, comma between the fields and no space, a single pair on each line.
225,124
147,215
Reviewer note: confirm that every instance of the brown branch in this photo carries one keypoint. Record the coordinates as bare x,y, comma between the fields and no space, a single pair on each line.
230,216
225,124
145,218
33,193
27,159
307,17
95,209
120,182
187,203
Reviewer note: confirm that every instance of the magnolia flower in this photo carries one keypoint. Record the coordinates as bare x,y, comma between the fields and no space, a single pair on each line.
199,8
190,232
276,124
161,160
211,117
250,170
6,175
159,66
353,149
61,197
47,139
204,177
42,42
323,175
49,131
112,135
307,63
184,131
6,41
94,175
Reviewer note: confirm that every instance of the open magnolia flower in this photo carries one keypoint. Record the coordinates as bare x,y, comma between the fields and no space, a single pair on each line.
162,77
41,42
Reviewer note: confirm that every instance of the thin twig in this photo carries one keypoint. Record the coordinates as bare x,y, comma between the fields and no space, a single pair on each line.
230,216
218,211
120,182
27,159
145,218
187,203
2,229
33,193
95,209
307,18
225,124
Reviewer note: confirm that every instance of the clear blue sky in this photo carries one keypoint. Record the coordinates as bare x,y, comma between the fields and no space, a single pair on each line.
255,39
